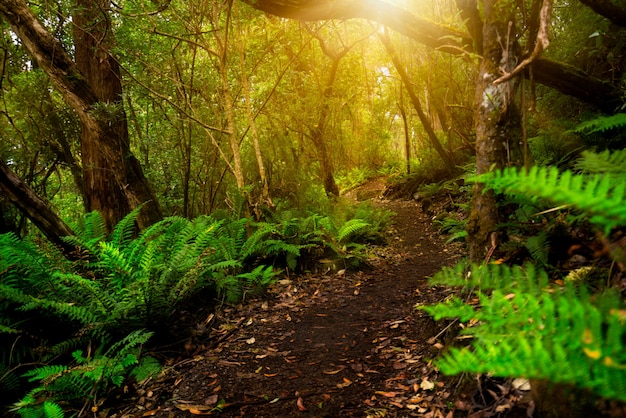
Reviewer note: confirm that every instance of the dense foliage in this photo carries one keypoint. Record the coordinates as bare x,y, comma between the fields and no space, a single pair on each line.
77,327
238,133
540,320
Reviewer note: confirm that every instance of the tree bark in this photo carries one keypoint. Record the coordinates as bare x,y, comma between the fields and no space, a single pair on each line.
497,121
93,42
99,120
36,209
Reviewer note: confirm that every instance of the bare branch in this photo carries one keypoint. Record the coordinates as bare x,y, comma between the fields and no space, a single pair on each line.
541,43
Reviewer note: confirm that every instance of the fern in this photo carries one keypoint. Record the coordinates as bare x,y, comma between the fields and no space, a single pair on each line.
606,162
602,124
523,325
126,229
538,247
603,198
351,228
88,376
560,335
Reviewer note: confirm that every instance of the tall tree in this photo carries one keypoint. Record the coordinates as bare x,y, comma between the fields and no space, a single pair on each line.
415,101
497,119
109,166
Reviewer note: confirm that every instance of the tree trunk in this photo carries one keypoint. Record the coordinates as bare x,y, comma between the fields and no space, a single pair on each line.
497,122
407,134
36,209
92,43
264,198
99,120
318,134
426,123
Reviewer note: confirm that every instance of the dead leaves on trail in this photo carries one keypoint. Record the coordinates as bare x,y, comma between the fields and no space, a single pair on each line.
334,344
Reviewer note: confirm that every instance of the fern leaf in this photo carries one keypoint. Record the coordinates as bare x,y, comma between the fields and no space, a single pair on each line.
602,197
350,228
602,124
561,335
45,372
538,247
609,162
52,410
126,229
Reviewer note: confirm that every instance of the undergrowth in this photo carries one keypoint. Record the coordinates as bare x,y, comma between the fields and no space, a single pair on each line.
534,320
71,329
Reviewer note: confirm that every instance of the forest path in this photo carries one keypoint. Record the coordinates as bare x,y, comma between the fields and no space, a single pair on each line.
322,345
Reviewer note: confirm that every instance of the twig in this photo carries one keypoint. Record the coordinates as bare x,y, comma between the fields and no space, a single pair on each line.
540,45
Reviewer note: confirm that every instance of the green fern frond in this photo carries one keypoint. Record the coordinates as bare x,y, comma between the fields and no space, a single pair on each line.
602,197
609,162
46,372
8,330
538,246
91,227
52,410
128,343
126,229
535,331
226,265
602,124
148,367
113,261
350,228
525,278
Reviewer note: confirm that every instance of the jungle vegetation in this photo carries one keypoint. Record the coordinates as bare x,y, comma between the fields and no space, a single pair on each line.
156,151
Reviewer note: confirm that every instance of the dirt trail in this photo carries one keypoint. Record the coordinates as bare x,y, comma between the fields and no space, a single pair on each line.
326,345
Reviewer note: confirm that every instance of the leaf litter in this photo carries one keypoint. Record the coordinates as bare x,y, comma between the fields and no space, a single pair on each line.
327,345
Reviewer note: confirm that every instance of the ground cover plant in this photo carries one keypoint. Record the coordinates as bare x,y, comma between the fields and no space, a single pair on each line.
76,327
564,326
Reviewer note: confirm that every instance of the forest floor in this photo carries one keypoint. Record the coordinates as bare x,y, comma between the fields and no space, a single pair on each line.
334,344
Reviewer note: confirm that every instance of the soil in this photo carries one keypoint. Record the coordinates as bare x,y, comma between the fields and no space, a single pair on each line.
332,344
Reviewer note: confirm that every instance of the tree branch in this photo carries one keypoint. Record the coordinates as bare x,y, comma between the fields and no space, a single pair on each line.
606,8
565,78
541,43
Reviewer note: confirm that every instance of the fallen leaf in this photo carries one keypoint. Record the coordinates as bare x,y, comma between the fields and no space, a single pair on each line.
195,411
150,413
334,371
211,400
300,404
345,383
427,385
386,394
270,374
521,384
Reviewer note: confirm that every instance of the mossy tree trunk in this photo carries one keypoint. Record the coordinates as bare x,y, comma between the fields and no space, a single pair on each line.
497,120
